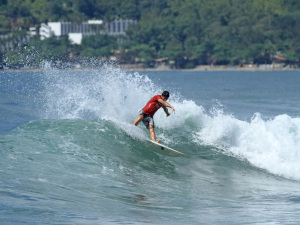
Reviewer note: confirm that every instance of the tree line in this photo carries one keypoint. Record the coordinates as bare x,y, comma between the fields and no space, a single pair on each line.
186,32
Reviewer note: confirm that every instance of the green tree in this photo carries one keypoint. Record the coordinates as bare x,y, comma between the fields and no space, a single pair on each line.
190,32
99,45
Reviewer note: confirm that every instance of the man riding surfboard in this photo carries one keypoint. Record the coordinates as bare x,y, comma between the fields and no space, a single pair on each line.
146,114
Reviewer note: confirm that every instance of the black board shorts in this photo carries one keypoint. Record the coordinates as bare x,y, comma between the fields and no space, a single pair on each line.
147,119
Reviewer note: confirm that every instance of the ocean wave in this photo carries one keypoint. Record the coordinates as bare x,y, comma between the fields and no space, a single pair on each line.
110,94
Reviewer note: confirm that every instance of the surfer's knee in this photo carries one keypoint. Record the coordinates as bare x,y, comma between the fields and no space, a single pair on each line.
138,120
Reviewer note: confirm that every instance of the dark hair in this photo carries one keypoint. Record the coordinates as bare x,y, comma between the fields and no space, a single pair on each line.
165,94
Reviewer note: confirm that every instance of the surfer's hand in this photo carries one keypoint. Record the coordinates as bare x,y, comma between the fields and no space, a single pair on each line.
173,110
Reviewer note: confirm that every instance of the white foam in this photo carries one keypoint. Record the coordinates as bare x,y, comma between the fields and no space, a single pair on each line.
273,145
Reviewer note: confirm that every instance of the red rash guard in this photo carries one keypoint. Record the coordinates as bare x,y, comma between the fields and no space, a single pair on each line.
153,105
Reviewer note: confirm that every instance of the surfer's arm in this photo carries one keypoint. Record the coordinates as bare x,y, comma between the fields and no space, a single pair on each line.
166,110
165,105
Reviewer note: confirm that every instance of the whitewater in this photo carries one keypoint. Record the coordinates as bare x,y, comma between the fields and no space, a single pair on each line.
70,154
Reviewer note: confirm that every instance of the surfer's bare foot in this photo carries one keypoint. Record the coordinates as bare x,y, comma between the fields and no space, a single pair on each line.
158,141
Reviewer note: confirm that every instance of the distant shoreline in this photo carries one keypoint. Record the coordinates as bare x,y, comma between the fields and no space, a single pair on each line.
138,68
212,68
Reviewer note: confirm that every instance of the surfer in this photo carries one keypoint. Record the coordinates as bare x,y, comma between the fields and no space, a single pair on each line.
146,114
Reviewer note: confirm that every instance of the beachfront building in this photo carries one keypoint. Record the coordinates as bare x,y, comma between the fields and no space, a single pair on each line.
76,32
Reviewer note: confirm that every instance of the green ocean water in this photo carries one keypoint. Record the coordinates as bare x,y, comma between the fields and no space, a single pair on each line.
69,153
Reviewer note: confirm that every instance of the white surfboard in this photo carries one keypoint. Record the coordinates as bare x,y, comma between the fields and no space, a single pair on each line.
165,150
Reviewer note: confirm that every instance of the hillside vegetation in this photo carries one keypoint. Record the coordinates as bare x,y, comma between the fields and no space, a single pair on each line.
187,32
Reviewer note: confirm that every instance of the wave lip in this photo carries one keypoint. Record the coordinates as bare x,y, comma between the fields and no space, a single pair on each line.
272,145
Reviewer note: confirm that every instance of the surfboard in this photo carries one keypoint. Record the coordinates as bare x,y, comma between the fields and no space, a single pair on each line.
165,150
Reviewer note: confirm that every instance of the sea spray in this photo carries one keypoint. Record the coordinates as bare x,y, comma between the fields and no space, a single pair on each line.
103,93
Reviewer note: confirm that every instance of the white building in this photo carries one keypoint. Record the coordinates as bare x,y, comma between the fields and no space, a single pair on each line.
77,31
32,31
97,22
118,27
45,31
75,38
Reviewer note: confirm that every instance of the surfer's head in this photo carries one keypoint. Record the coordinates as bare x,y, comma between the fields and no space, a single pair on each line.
166,95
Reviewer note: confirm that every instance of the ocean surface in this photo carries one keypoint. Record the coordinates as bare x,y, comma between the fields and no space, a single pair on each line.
69,153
